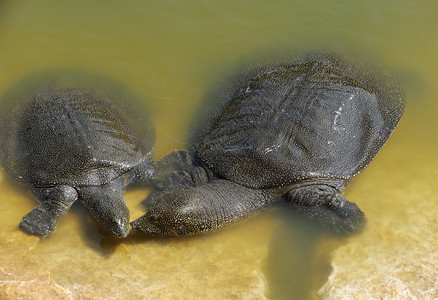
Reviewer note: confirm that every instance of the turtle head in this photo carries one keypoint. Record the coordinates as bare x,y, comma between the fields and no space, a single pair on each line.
116,226
174,214
109,211
156,223
112,219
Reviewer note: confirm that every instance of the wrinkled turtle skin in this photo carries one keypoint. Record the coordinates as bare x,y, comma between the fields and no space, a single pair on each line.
68,144
297,131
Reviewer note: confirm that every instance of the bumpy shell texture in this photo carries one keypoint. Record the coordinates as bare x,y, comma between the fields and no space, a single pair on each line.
67,136
320,117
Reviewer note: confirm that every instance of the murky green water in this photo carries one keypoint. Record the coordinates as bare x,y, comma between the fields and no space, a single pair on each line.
173,53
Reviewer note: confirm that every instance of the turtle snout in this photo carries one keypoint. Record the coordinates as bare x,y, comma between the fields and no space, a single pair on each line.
146,224
119,228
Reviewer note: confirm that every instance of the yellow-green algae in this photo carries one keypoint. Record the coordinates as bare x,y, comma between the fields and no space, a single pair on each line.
172,53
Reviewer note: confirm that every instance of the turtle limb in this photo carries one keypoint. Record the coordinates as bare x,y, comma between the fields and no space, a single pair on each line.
176,171
325,205
55,203
107,207
144,172
203,208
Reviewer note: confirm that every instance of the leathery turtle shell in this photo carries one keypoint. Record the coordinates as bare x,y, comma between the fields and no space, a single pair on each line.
66,136
320,117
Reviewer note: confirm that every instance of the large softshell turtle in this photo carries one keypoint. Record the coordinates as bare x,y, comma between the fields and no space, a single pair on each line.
69,144
297,131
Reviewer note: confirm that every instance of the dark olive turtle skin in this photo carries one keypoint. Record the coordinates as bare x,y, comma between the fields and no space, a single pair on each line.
67,144
297,131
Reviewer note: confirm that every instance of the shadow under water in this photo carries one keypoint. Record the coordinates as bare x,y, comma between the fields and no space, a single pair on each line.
298,261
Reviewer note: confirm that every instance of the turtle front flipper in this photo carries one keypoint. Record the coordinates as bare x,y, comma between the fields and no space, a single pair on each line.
143,173
176,171
107,206
323,204
203,208
55,203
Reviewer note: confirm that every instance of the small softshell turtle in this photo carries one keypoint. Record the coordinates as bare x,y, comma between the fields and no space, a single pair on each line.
297,131
69,144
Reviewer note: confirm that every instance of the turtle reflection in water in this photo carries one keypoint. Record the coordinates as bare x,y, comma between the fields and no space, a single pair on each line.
297,132
66,145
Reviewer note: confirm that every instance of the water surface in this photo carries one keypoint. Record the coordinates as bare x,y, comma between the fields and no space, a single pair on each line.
174,53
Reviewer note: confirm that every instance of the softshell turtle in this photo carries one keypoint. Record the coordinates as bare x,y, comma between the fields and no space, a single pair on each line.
297,131
69,144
